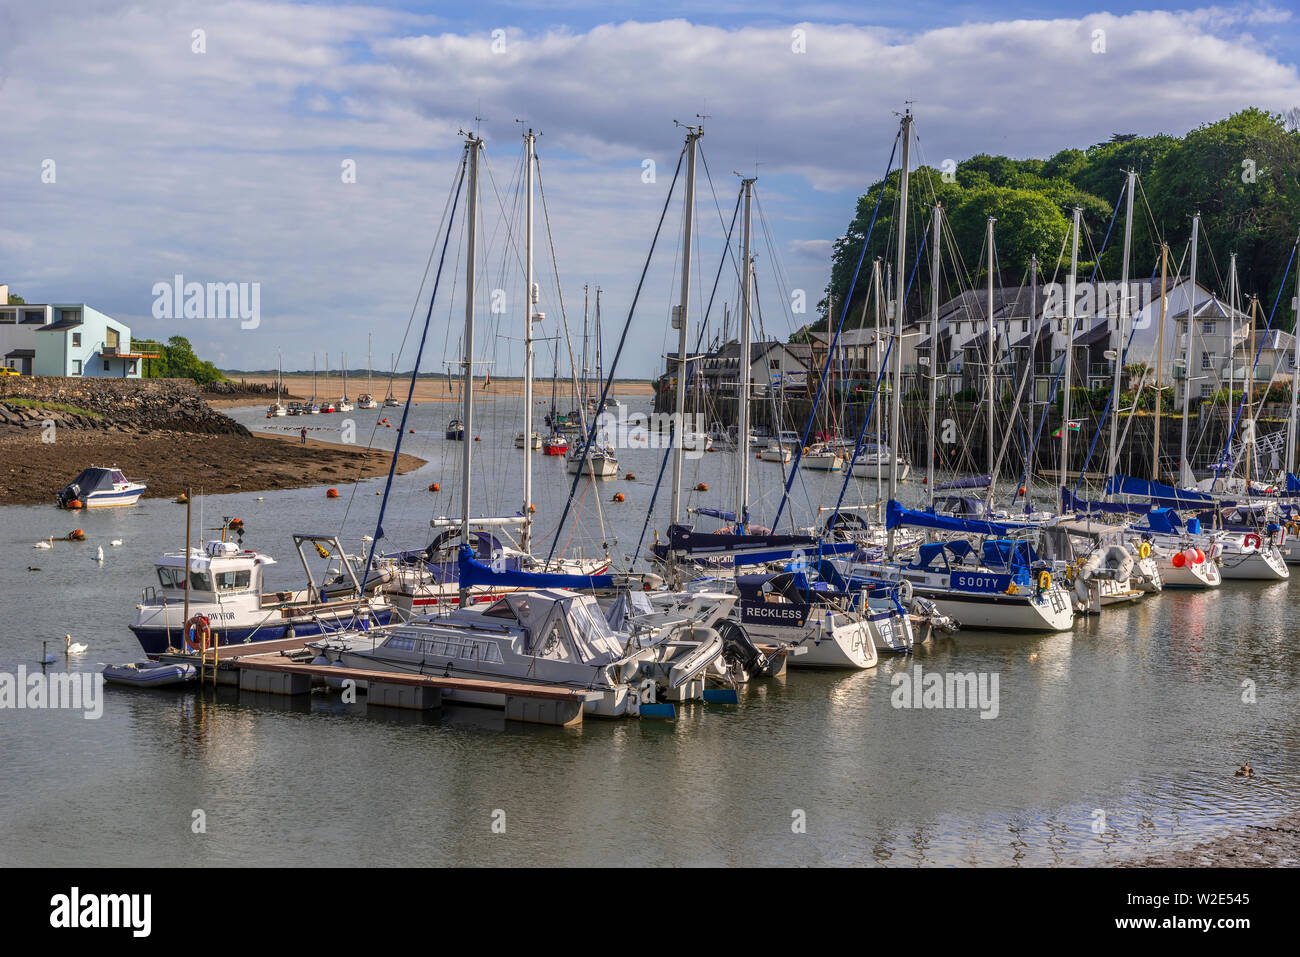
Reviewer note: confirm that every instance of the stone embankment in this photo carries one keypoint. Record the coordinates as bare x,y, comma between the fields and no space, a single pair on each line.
139,406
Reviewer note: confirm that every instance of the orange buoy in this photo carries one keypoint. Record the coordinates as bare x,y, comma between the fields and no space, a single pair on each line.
477,439
759,455
618,496
1200,557
1022,490
630,477
76,535
332,493
435,487
531,508
701,487
412,431
75,503
1179,560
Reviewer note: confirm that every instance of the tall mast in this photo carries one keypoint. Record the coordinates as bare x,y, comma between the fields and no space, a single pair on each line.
530,301
934,345
1160,358
1232,321
742,417
473,144
586,303
900,278
993,340
1184,470
682,319
1290,465
1036,320
1249,443
370,389
1121,323
878,293
1070,283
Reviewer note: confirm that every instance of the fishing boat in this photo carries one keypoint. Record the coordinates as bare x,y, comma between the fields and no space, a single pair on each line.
555,445
151,674
219,588
99,487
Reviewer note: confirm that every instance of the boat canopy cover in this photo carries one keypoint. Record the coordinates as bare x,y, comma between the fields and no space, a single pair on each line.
96,480
1071,502
929,553
1008,554
1292,483
896,515
974,481
685,539
551,616
721,513
474,572
1156,491
1164,520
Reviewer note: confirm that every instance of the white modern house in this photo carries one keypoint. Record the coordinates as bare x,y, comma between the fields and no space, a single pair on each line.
64,339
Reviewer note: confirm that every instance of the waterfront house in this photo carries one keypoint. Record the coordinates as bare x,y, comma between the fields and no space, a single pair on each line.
65,339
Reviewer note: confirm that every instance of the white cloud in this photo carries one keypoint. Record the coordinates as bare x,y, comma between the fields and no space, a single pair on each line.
226,165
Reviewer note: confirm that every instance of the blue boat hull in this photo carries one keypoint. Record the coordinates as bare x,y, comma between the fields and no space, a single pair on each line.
156,641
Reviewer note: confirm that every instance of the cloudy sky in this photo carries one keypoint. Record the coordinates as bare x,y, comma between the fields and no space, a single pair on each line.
226,163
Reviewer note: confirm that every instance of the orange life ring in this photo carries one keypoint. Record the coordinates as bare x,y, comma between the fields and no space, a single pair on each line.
1249,536
201,629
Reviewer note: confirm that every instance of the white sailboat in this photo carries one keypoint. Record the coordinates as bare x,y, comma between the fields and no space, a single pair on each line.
343,404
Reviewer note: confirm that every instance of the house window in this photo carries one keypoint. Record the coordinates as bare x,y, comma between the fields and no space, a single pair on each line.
1024,325
774,363
1207,390
8,315
105,365
76,367
1209,327
1207,360
34,316
76,339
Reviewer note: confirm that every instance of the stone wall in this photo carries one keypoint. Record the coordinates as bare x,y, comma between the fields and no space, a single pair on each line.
121,405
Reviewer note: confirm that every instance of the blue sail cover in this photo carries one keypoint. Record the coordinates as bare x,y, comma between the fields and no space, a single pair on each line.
474,572
1158,492
975,481
1164,520
1292,483
1073,503
896,515
720,513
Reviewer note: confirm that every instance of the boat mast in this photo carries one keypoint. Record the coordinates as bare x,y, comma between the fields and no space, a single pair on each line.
1184,470
473,144
1249,443
743,366
1121,324
1160,359
682,319
934,345
1070,283
313,378
370,389
878,292
582,386
900,278
1232,321
993,341
1295,374
530,301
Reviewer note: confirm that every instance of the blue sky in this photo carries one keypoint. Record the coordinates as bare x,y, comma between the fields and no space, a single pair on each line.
224,165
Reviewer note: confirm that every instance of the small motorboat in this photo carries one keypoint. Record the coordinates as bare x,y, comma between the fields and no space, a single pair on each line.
555,445
98,487
456,430
521,441
366,401
150,674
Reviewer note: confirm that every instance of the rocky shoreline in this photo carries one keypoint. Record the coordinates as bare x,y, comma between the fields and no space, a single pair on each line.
160,432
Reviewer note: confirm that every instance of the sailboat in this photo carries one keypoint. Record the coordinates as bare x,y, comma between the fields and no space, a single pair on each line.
327,405
390,401
344,405
278,407
365,400
313,408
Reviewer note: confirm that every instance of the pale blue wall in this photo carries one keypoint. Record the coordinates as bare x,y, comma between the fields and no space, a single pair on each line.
58,354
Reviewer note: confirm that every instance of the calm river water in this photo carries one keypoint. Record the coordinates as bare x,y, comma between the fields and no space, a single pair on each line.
1137,715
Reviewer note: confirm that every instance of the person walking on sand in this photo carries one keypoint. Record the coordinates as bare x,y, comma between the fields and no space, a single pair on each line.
304,435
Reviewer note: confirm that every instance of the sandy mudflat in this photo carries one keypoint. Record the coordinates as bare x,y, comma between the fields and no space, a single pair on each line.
32,471
1273,845
426,390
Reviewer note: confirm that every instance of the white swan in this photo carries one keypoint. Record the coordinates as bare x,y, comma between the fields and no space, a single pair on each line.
73,648
99,554
46,544
115,542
